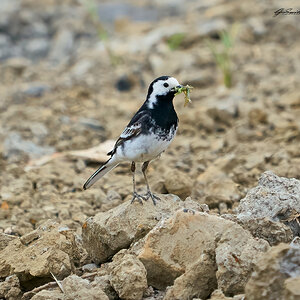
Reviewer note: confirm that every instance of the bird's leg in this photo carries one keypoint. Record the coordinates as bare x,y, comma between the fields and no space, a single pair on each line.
149,193
135,195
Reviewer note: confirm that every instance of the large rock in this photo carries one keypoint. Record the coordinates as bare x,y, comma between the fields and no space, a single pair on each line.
236,255
10,288
74,287
128,277
178,183
173,246
103,282
198,280
78,288
50,248
108,232
276,275
267,229
273,203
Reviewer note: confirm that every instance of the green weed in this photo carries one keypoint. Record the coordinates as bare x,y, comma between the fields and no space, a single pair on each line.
175,40
222,53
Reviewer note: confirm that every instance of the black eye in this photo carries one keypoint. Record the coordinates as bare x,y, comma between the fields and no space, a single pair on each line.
166,84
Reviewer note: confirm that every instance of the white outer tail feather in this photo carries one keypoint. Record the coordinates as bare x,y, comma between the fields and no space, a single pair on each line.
108,166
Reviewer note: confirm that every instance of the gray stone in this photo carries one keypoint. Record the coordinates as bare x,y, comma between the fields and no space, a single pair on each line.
8,8
14,145
211,27
276,275
36,89
63,46
89,267
264,228
37,48
109,12
276,198
4,41
236,255
35,30
91,123
5,46
10,288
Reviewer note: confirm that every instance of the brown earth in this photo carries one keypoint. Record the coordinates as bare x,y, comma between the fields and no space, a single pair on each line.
66,88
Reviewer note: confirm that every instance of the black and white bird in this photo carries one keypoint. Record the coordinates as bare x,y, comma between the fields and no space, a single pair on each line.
147,135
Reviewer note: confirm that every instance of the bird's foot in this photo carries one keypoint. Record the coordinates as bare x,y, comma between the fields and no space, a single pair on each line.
149,194
138,197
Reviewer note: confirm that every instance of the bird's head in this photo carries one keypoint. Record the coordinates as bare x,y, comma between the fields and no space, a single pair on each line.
162,88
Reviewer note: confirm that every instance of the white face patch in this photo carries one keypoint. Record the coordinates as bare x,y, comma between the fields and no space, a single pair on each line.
159,89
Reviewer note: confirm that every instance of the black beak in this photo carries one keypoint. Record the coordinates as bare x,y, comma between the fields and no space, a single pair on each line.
176,88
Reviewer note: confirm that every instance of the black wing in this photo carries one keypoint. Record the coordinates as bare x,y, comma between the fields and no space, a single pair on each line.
133,129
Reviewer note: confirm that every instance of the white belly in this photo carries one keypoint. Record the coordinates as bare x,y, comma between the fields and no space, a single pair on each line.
144,147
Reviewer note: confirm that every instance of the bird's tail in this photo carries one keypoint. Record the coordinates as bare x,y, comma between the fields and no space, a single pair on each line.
108,166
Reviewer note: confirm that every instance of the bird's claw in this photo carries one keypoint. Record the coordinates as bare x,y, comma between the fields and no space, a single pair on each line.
152,196
138,197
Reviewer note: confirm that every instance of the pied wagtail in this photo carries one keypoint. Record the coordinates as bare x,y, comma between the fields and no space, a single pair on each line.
147,135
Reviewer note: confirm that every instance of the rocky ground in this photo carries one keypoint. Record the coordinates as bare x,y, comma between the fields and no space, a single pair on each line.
227,225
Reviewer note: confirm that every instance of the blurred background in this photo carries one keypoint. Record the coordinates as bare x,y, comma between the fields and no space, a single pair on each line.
72,74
